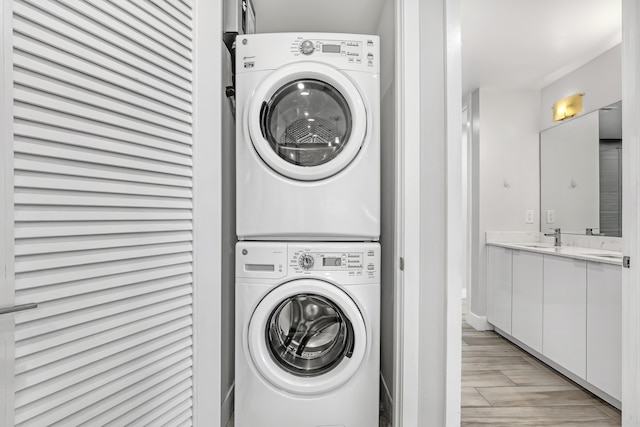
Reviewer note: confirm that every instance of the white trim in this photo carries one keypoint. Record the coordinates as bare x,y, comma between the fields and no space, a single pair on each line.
407,346
478,323
464,294
7,328
630,214
207,181
456,239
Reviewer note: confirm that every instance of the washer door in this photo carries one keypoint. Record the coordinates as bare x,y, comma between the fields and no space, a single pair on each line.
307,337
307,121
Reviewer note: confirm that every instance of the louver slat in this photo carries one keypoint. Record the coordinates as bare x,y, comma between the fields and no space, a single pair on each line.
125,91
170,9
142,403
55,88
94,157
157,20
97,115
50,15
152,38
53,47
103,212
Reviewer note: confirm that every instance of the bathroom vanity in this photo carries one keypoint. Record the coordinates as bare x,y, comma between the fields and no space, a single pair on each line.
563,305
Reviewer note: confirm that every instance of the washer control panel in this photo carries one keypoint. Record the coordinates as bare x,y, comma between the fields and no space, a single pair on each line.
346,263
303,260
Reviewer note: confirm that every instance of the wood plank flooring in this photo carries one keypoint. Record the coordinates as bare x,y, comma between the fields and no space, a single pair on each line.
504,386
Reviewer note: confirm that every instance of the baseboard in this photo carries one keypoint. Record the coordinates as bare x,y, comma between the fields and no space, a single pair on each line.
227,406
478,323
385,399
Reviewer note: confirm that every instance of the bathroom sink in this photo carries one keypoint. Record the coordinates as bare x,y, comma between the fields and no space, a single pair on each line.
535,245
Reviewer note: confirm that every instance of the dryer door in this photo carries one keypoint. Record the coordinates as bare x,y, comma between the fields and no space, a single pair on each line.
307,337
307,121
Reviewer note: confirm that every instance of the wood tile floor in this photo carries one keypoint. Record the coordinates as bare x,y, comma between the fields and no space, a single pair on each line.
504,386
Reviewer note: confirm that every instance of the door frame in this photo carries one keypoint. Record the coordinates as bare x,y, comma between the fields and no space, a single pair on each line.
430,228
7,323
630,212
207,214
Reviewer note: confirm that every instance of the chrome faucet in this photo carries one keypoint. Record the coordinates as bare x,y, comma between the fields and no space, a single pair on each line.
557,237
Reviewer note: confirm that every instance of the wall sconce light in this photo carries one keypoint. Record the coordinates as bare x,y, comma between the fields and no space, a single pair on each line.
568,106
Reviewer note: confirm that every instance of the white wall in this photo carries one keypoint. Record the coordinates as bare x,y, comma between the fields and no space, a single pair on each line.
506,149
600,80
386,31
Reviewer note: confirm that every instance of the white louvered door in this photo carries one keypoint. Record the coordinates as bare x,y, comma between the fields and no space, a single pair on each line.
103,211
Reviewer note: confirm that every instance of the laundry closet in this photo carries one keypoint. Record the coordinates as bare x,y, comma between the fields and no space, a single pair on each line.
345,193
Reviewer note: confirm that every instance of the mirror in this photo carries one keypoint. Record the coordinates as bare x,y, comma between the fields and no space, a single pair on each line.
581,174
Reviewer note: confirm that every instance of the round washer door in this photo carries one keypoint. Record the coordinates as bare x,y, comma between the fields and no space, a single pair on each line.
307,337
307,121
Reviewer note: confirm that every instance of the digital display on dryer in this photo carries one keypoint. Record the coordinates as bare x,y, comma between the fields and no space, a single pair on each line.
331,262
331,48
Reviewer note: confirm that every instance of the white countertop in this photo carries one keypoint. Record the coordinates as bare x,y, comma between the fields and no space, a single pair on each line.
576,252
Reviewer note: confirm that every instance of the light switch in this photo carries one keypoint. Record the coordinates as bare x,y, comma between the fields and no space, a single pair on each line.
551,216
528,217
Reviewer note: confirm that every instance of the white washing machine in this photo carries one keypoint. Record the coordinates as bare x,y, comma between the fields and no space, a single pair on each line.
307,334
308,138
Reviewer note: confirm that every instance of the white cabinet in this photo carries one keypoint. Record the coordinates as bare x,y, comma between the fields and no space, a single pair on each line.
604,328
564,309
499,287
526,319
564,336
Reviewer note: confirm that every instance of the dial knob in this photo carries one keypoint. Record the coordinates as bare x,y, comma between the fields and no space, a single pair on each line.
306,261
307,47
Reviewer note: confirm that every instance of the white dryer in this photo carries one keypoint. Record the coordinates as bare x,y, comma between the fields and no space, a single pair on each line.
308,143
307,334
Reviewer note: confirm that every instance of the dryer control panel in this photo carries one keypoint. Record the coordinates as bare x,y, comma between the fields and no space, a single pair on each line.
344,51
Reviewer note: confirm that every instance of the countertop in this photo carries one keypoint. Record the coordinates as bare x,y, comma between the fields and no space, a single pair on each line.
588,254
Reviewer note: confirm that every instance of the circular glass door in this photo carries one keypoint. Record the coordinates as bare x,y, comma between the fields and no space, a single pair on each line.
307,337
307,121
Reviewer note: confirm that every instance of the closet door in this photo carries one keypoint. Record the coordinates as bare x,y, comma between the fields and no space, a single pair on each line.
102,159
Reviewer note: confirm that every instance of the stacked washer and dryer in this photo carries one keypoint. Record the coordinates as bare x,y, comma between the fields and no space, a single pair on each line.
308,223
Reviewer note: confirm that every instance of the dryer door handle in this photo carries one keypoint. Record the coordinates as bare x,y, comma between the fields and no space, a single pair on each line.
263,120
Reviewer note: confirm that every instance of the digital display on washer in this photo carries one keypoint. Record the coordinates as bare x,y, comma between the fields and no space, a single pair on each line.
331,262
331,48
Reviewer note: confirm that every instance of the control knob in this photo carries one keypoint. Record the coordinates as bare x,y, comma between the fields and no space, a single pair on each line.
306,47
306,261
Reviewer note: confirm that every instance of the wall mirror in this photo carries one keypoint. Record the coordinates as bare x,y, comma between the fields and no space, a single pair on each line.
581,174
